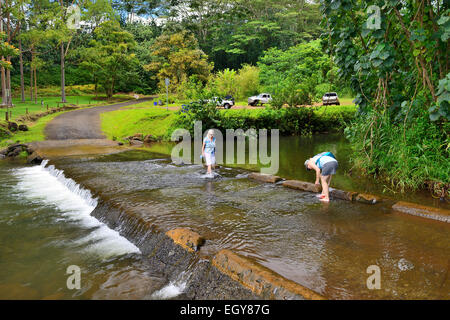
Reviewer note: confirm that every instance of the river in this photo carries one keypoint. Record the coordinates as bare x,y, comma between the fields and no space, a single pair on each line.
46,226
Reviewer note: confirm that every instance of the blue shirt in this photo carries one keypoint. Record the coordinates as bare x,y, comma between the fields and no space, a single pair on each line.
323,160
210,146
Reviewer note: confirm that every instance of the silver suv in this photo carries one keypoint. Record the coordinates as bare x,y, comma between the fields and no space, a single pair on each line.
263,98
330,98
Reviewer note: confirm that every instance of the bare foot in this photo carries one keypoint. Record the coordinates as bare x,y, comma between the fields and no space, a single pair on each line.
326,200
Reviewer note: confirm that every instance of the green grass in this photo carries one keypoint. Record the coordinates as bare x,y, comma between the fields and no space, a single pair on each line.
20,108
147,119
328,110
36,129
142,119
35,133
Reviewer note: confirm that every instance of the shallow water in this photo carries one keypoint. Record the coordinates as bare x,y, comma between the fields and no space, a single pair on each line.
45,226
327,248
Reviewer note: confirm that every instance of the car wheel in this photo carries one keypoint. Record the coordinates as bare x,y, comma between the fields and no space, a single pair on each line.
227,106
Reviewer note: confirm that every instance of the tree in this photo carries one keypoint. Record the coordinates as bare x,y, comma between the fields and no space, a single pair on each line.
237,32
6,50
110,55
177,57
395,55
294,74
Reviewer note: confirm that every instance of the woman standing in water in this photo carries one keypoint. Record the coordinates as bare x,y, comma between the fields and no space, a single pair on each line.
209,151
325,165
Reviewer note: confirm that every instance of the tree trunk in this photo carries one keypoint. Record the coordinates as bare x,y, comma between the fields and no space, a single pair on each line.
8,85
35,86
3,69
31,75
22,82
63,75
4,102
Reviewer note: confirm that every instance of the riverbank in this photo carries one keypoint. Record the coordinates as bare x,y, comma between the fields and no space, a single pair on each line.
160,123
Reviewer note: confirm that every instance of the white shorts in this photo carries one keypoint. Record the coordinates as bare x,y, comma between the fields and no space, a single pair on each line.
210,159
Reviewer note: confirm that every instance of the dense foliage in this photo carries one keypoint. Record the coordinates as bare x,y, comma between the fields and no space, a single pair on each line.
290,121
395,55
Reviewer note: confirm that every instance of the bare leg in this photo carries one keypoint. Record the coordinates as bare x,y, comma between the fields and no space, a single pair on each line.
325,190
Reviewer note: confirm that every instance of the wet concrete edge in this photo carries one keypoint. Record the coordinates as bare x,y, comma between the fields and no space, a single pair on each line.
426,212
210,278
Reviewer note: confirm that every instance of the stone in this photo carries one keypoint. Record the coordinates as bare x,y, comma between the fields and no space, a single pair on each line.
303,186
14,153
4,152
12,126
120,143
2,156
35,158
343,195
267,178
138,136
422,211
149,139
186,238
16,145
23,127
368,198
259,279
136,142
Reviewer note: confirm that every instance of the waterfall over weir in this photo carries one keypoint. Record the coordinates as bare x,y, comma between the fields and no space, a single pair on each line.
49,185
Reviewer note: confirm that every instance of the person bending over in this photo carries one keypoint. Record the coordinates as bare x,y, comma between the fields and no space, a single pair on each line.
325,165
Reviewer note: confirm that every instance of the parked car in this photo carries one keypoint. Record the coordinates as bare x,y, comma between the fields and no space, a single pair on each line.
261,99
226,102
330,98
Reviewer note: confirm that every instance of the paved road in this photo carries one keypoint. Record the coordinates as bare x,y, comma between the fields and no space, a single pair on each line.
82,124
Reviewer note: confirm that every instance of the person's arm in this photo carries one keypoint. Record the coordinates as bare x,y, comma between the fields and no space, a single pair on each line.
317,169
203,149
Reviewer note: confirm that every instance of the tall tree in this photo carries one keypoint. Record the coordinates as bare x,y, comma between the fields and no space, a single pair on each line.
110,55
177,57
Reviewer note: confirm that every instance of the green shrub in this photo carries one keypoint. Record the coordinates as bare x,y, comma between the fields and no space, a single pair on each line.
404,154
290,121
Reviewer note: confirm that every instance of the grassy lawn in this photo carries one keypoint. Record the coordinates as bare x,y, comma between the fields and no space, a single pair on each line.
20,108
142,119
147,119
35,133
36,129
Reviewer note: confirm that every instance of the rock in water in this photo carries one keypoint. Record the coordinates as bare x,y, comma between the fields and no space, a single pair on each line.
34,158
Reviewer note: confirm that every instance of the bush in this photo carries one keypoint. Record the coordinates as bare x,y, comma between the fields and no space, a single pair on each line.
406,154
248,82
290,121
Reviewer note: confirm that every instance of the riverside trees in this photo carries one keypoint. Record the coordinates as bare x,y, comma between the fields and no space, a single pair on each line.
395,55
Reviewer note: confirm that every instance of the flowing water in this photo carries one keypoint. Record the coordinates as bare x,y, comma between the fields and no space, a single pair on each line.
45,226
